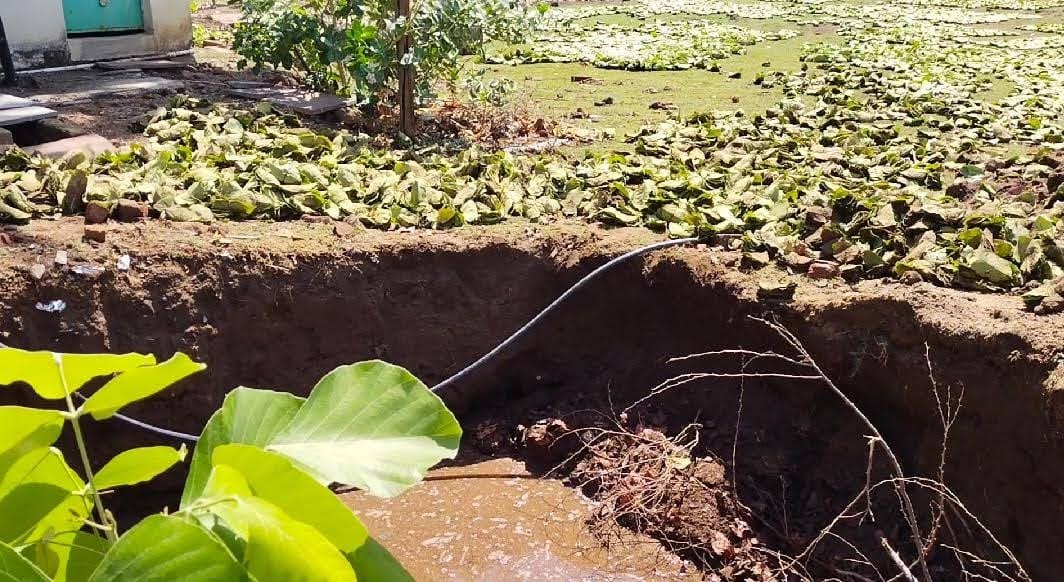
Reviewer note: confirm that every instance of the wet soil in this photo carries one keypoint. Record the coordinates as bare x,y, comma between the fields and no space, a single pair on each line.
494,520
278,305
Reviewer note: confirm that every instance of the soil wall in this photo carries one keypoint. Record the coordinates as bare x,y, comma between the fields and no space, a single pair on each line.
278,306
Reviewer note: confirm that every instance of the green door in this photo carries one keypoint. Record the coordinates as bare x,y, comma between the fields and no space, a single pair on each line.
89,16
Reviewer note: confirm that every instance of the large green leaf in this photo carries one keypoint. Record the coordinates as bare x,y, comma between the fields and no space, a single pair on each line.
15,568
40,369
70,556
276,546
275,479
24,506
375,563
43,554
168,548
25,430
248,416
372,425
137,466
138,384
49,473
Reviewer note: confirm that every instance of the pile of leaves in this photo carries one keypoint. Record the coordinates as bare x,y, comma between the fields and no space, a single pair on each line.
203,163
985,4
655,46
1045,27
885,158
799,184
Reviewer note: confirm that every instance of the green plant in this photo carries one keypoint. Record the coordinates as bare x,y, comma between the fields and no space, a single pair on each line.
350,47
256,504
200,34
490,91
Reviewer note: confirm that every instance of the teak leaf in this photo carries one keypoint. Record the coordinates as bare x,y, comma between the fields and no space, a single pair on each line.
168,547
24,430
15,568
273,478
276,546
138,384
371,425
40,369
137,466
248,416
46,469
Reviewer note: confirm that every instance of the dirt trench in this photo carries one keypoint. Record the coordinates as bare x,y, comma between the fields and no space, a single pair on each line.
280,311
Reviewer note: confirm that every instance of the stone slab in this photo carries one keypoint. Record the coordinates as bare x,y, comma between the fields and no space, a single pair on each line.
256,92
12,102
25,115
316,104
303,102
92,144
111,86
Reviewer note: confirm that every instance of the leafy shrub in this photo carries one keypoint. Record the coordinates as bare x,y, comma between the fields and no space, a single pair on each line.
256,503
350,46
492,92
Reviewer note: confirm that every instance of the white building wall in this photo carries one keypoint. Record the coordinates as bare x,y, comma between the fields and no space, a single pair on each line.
36,33
170,22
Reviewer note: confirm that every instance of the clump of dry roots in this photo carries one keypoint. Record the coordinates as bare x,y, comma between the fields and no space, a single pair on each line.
897,526
486,124
649,483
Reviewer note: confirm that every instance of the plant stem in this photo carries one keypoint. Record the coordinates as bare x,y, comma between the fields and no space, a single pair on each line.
111,527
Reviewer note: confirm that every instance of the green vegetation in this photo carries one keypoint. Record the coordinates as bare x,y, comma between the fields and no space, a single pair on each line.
350,47
256,504
680,92
658,46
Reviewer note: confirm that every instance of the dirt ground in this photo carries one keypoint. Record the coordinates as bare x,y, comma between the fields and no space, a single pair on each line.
115,116
276,305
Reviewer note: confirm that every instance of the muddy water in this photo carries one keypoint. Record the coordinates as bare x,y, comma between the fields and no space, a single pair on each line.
492,521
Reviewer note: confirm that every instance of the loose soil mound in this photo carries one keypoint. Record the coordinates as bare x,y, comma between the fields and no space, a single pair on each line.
276,306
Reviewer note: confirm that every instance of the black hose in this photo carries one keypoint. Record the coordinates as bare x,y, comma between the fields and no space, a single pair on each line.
561,299
464,372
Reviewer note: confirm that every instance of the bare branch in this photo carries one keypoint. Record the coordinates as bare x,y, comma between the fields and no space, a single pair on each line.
894,557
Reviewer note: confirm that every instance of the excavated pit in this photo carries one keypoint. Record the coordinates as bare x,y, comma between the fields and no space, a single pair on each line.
278,312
